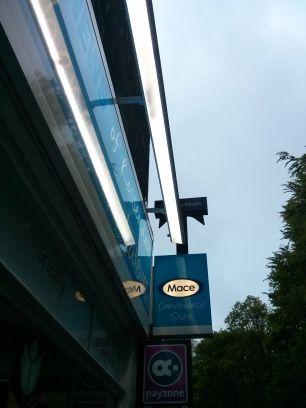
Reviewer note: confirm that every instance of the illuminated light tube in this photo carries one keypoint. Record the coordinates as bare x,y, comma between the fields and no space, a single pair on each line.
78,107
140,25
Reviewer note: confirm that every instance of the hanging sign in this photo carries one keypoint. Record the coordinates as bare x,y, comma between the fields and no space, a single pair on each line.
165,374
181,305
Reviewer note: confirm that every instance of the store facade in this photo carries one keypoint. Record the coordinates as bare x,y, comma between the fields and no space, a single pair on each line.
76,242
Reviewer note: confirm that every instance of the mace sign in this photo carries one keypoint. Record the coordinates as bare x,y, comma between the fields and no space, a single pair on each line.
165,376
181,305
181,287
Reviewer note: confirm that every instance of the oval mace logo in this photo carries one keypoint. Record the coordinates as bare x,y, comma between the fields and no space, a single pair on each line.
134,288
181,287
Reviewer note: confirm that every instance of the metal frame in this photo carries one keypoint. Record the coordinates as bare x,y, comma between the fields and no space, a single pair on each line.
163,103
103,57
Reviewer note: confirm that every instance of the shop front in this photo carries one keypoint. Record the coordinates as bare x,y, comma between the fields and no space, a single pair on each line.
76,243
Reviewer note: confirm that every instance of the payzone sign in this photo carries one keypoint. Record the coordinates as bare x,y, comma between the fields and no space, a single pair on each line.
165,374
181,303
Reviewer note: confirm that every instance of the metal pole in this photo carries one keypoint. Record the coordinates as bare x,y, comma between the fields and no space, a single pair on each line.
183,249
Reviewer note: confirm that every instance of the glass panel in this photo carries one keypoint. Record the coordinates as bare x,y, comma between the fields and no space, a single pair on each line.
32,251
103,347
71,28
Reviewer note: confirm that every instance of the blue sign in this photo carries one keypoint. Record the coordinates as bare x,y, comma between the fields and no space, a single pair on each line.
181,303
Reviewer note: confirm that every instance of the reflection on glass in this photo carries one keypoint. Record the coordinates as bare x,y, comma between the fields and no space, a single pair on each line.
75,49
103,346
61,59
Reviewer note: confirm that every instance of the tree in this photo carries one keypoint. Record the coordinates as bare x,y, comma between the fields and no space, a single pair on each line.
287,280
260,359
252,314
231,368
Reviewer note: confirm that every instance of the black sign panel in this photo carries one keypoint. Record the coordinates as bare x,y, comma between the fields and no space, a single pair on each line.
195,207
190,206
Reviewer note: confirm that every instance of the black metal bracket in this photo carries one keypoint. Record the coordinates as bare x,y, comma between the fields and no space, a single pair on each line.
156,210
189,207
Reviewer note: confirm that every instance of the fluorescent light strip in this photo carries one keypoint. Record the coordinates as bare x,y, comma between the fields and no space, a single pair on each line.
82,118
144,49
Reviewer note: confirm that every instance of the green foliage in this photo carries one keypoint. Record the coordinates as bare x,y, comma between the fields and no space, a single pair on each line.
231,367
287,280
260,359
251,314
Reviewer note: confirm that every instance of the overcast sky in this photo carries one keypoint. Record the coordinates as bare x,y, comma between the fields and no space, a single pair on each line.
235,81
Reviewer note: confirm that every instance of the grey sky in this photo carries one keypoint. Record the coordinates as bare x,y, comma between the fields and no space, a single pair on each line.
235,80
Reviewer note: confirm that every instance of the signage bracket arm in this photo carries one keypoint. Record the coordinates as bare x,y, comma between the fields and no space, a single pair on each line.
183,248
156,210
195,207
